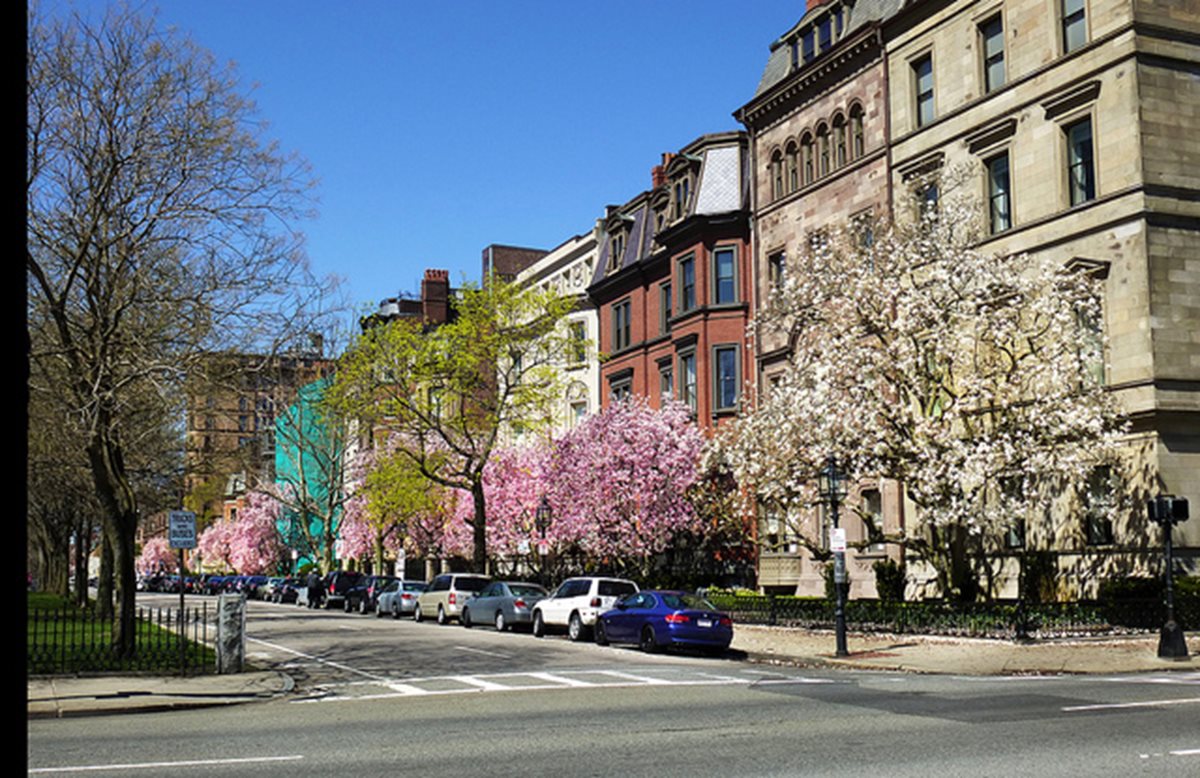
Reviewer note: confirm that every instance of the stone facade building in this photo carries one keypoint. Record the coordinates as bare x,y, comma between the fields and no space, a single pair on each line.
1076,125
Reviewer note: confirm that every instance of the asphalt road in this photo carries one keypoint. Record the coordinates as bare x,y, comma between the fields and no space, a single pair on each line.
377,697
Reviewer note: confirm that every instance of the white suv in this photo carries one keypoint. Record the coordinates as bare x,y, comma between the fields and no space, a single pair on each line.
577,602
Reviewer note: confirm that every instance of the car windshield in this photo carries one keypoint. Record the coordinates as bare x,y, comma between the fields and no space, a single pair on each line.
415,586
687,601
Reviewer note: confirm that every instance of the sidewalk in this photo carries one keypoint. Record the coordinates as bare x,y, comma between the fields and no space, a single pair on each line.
68,696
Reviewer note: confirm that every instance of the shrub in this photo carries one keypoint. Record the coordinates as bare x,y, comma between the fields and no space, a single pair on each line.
889,580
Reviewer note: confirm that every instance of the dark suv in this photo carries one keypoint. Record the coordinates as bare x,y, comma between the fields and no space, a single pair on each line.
337,584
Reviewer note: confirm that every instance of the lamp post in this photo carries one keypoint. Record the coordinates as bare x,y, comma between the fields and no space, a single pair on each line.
1166,511
832,485
542,522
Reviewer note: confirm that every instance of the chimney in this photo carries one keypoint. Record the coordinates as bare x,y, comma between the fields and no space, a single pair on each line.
435,296
658,176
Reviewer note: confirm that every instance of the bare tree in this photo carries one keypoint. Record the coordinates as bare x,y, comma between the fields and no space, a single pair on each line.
159,228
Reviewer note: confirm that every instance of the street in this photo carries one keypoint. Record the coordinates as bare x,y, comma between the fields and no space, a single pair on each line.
378,697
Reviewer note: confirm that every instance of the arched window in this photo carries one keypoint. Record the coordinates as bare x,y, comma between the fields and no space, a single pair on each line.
839,141
857,139
823,150
793,172
809,160
776,175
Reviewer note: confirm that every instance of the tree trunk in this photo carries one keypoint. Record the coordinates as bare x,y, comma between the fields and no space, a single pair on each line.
479,558
120,527
83,549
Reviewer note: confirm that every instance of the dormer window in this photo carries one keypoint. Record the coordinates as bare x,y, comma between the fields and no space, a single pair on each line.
680,195
818,37
616,250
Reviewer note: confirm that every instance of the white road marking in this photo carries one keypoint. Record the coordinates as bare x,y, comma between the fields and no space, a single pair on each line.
161,765
311,658
487,686
481,651
1117,705
560,679
1187,752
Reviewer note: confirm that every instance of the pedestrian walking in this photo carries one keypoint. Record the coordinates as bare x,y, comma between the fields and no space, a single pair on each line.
314,589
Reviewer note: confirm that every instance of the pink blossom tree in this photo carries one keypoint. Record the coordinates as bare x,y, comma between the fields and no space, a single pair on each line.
213,545
618,483
157,554
254,543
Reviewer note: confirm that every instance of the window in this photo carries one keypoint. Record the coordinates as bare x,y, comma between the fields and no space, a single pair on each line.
664,299
1098,502
823,150
622,327
825,34
578,341
1081,172
1089,337
776,268
666,381
999,194
616,251
839,141
991,37
579,410
793,172
1014,504
806,150
808,46
857,138
923,80
1074,24
872,518
776,175
725,377
724,280
681,193
687,379
687,284
620,386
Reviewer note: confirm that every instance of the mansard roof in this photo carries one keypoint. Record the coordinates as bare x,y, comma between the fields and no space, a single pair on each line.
858,14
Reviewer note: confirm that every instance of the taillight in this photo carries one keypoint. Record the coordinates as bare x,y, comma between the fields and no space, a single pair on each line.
726,621
451,598
676,618
519,604
406,596
595,602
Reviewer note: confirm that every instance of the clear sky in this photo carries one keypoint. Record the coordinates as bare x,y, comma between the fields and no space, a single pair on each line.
437,127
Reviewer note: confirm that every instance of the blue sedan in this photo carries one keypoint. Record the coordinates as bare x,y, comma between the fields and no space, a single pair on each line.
654,620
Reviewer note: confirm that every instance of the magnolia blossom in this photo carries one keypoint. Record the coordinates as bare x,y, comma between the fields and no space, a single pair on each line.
157,554
918,358
254,543
213,545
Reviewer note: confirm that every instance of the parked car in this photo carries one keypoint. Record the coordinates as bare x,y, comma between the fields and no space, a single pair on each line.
446,595
337,584
285,590
577,602
503,604
363,595
656,620
399,598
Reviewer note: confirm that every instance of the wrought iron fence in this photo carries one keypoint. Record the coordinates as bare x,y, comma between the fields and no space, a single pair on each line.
1002,619
68,640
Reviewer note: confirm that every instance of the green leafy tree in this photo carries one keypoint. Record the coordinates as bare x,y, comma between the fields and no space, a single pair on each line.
447,395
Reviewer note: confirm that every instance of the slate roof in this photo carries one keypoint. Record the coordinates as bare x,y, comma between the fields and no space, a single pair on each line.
864,12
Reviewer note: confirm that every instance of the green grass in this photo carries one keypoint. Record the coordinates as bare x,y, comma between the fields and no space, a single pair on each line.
61,638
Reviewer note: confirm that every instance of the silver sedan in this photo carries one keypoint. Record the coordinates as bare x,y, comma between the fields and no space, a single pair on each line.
503,604
399,598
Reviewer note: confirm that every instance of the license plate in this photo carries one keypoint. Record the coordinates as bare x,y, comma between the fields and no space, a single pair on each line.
704,622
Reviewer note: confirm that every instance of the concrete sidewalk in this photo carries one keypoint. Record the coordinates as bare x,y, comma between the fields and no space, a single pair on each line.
56,697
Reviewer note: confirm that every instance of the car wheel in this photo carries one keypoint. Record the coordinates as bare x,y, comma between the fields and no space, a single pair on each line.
575,629
364,607
396,611
417,613
601,634
441,617
539,626
501,624
378,611
648,643
347,606
465,618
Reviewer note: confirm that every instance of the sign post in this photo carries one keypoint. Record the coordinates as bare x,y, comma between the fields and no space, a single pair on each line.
181,530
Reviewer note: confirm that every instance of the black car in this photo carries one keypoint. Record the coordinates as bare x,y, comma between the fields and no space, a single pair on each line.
337,584
365,595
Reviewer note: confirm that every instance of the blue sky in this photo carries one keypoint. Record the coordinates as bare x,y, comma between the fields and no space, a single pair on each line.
436,128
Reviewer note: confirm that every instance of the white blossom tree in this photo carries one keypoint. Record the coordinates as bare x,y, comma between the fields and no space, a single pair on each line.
970,378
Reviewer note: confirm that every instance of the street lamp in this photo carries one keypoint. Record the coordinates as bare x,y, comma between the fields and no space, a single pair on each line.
542,522
1166,511
831,483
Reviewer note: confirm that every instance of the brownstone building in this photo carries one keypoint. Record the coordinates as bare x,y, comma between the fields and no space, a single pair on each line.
673,284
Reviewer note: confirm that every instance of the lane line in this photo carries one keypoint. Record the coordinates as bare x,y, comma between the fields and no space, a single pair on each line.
160,765
319,660
1118,705
485,653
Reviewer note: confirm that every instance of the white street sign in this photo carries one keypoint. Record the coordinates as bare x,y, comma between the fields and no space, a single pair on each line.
181,529
837,539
